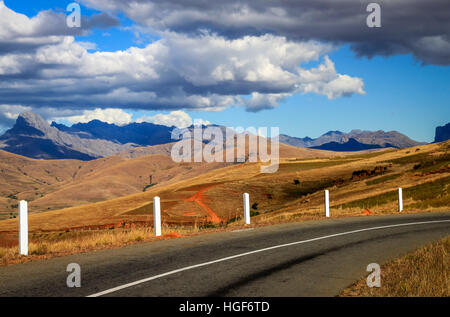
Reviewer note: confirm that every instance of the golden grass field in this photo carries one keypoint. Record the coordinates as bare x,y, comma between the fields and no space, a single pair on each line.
422,273
199,197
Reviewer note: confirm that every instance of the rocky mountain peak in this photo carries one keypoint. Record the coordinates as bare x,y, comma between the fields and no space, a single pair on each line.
28,122
442,133
32,136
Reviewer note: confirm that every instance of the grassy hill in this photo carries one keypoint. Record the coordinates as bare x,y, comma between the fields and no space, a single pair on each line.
356,182
203,196
57,184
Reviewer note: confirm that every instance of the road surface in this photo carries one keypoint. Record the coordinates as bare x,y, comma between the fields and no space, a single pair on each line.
316,258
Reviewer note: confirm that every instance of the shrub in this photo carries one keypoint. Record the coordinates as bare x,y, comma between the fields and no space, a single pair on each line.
308,187
41,249
233,219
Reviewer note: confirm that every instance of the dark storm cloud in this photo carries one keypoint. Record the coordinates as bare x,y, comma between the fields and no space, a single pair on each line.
408,26
100,21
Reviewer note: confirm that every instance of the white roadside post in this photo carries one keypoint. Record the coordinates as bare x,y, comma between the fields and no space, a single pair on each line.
247,208
400,199
23,227
327,203
157,216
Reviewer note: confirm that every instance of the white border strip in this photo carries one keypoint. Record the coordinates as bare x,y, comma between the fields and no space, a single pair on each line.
118,288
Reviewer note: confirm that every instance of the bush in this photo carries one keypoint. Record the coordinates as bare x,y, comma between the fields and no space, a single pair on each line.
233,219
41,249
308,187
433,164
208,225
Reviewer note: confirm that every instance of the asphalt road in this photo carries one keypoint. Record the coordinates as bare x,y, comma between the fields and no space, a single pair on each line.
316,258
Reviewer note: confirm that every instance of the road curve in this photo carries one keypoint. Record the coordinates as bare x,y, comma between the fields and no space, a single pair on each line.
316,258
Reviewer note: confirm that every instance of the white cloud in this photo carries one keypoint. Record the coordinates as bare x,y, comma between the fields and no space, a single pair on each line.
324,80
205,72
179,119
112,116
409,26
264,101
11,112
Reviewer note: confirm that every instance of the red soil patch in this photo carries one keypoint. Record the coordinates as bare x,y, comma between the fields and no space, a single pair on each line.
198,198
172,235
367,212
190,213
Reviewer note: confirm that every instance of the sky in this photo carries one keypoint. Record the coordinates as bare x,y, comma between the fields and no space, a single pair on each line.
307,67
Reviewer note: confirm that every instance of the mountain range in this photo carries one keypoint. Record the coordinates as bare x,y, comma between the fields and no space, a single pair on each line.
355,140
33,137
442,133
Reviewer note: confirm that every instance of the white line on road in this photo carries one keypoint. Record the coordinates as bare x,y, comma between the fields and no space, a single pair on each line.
243,230
118,288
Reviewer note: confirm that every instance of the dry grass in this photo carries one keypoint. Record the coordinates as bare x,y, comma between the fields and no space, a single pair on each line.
47,245
423,273
294,193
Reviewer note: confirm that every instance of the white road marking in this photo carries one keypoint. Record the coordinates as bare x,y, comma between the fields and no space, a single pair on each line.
242,230
118,288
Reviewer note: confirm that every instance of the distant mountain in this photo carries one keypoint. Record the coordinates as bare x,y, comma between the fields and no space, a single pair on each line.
364,139
142,134
32,136
349,146
442,133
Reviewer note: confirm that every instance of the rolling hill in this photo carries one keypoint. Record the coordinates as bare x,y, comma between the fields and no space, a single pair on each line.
296,189
56,184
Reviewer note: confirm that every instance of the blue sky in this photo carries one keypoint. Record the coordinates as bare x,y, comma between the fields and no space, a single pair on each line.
402,93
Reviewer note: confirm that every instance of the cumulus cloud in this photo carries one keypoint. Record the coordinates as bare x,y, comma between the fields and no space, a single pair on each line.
179,119
325,80
112,116
207,71
204,73
9,114
405,23
21,34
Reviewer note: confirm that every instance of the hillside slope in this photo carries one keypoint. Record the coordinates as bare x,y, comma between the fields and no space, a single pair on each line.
296,189
56,184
